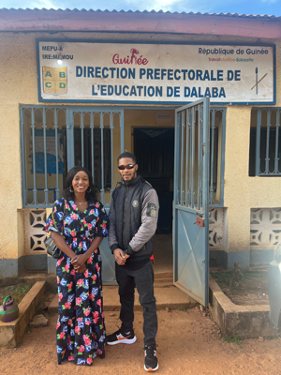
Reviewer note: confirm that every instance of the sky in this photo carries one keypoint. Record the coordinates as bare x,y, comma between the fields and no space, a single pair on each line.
269,7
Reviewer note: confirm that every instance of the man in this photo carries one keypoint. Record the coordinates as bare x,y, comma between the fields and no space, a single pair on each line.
133,220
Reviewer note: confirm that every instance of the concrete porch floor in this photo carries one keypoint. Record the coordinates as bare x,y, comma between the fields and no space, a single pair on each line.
166,297
163,253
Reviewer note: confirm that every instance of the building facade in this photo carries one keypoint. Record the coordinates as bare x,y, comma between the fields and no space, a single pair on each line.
79,87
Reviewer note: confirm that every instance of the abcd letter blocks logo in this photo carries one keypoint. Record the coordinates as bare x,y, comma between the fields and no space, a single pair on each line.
55,80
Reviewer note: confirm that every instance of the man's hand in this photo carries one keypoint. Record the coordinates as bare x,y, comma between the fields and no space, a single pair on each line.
120,257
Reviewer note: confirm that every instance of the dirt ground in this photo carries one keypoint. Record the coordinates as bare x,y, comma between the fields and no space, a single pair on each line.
188,343
251,290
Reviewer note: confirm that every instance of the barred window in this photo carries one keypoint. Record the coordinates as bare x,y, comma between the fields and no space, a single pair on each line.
54,139
265,143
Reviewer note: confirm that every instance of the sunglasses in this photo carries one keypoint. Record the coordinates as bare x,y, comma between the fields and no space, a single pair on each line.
128,166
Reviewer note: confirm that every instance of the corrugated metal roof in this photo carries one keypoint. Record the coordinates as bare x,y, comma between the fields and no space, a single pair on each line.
264,16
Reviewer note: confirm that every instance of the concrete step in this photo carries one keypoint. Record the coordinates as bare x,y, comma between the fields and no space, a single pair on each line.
163,280
167,297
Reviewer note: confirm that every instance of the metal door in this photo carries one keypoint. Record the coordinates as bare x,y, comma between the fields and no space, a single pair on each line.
191,200
95,140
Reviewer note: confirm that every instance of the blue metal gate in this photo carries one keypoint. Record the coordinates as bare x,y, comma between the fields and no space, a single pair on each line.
191,200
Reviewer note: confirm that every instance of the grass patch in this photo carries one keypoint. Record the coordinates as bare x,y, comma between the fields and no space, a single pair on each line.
222,278
268,338
28,329
234,338
251,275
19,344
39,308
17,291
183,309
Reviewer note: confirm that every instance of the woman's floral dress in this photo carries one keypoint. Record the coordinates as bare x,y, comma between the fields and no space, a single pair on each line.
80,325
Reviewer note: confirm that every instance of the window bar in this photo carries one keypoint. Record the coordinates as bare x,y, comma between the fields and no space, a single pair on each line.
276,159
45,156
190,193
33,156
193,155
69,115
187,192
23,157
213,112
222,158
57,153
177,179
122,131
200,161
201,156
258,139
92,146
182,156
102,161
82,138
111,151
267,142
206,153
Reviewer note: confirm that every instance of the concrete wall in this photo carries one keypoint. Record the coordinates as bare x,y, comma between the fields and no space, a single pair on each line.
18,83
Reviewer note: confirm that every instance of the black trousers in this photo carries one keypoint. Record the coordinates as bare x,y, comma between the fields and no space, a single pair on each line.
143,279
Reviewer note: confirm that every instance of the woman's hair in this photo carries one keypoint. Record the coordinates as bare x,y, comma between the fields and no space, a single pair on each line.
92,196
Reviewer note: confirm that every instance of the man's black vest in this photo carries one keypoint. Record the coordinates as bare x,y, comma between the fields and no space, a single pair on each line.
127,200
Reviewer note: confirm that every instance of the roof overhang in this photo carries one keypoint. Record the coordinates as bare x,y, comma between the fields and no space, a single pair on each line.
12,20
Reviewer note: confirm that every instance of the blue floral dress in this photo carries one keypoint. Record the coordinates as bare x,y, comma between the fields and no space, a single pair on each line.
80,326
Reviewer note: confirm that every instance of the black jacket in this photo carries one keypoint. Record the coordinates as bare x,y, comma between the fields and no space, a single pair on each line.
133,218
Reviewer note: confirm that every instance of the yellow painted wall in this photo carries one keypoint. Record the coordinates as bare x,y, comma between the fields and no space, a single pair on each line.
236,186
18,86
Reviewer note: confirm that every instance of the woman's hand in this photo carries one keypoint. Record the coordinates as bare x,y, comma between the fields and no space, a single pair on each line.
81,269
78,261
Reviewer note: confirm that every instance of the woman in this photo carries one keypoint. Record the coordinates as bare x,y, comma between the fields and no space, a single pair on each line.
78,224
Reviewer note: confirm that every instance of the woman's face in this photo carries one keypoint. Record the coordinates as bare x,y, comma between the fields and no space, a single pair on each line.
80,182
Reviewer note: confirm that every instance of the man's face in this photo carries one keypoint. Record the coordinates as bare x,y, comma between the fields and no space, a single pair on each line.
129,172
